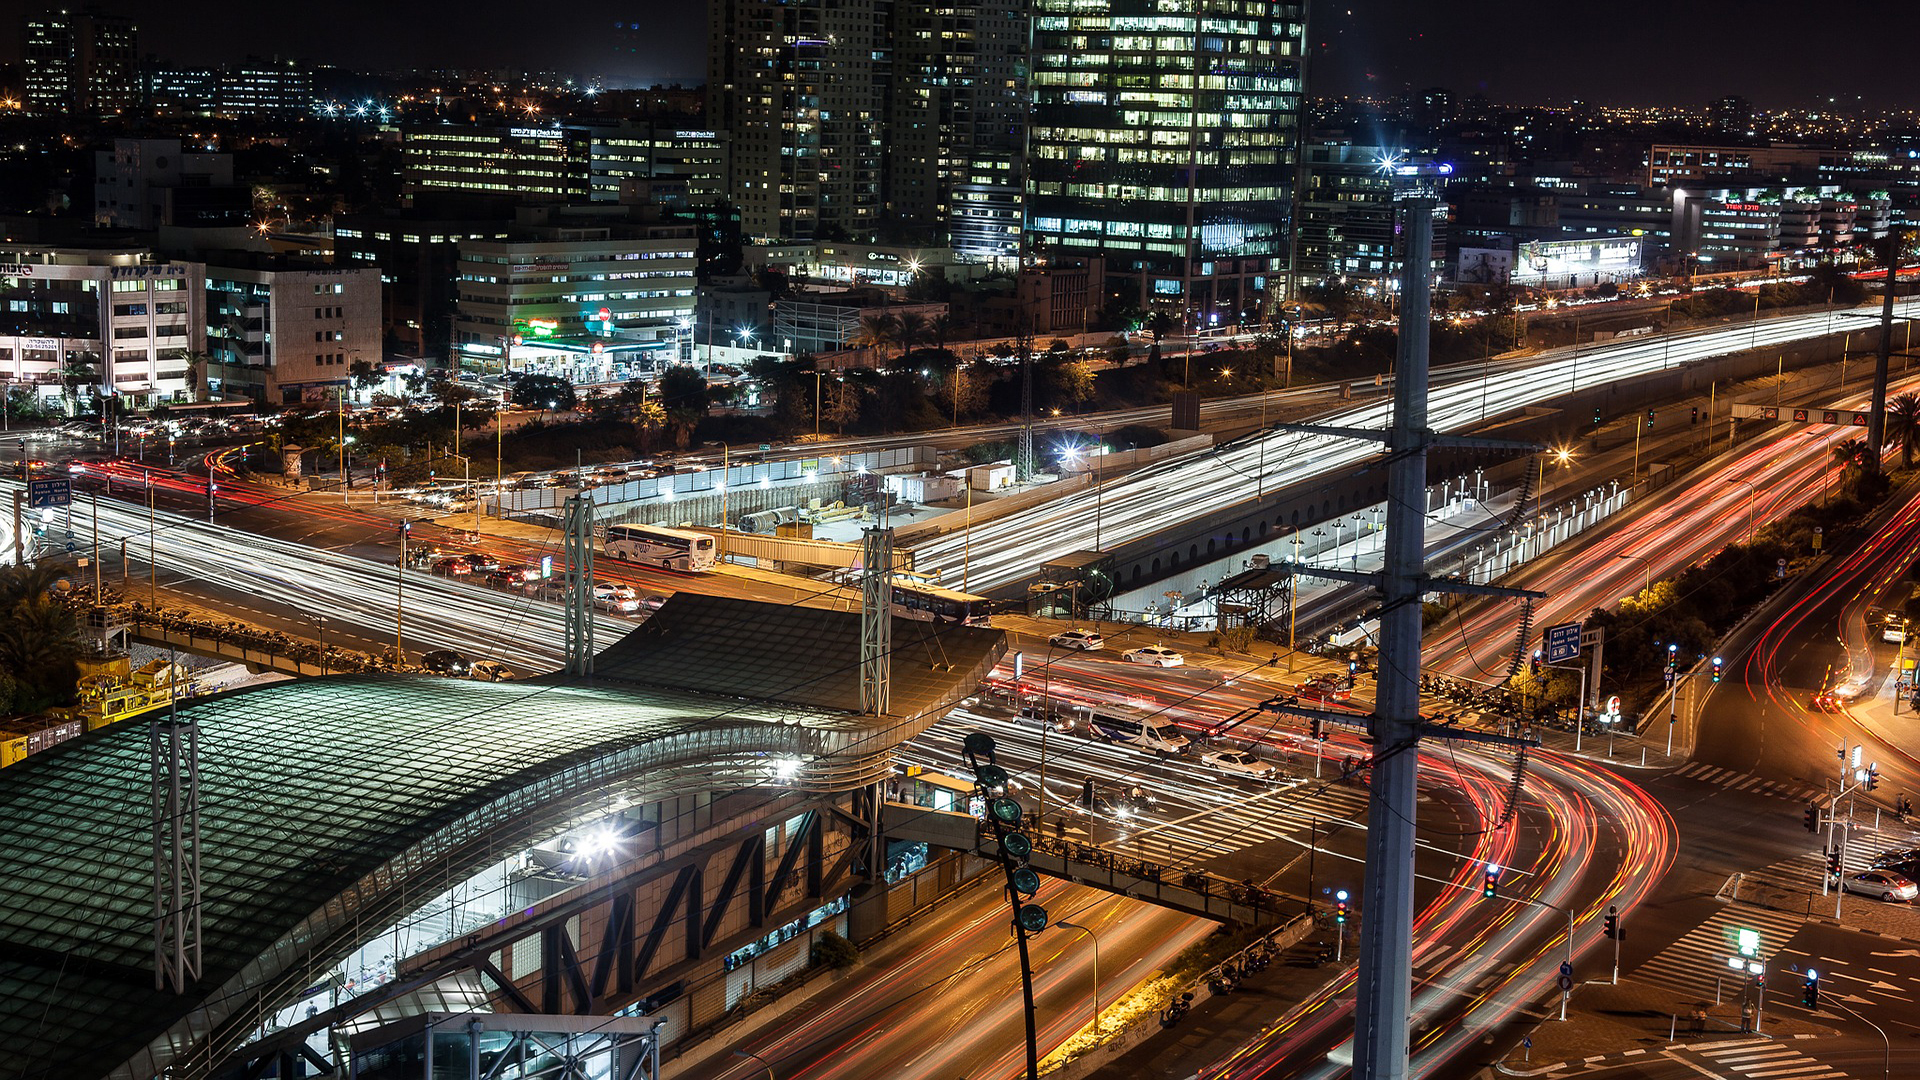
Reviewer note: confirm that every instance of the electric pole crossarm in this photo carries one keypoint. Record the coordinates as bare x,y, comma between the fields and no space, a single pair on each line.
1476,442
1471,588
1438,731
1358,577
1335,431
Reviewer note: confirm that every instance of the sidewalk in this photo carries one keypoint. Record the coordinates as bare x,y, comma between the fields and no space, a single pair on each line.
1609,1024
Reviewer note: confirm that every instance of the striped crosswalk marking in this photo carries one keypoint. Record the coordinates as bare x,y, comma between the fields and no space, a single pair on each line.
1758,1060
1739,781
1691,965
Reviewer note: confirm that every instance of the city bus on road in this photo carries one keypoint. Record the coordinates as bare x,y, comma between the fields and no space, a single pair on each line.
656,545
914,598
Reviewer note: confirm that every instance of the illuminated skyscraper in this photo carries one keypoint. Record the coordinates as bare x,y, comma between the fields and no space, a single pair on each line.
1185,189
83,62
800,87
957,122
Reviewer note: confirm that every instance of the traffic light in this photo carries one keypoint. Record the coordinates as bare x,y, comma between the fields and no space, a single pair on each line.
1537,666
1613,923
1340,907
1873,776
1318,736
1810,990
1490,887
1833,863
1718,665
1086,793
1596,417
1649,419
1812,820
1696,415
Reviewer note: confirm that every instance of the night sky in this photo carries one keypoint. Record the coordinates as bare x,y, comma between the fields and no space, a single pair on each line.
1629,52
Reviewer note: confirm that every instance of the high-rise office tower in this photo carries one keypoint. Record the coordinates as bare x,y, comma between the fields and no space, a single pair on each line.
1183,187
956,122
84,62
800,86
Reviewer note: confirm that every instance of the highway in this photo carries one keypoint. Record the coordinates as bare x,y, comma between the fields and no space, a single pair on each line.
1006,550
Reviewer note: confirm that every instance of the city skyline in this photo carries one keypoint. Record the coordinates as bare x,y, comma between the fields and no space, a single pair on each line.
1369,48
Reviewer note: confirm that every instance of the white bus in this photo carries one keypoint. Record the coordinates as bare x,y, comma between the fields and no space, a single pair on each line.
656,545
1137,727
917,599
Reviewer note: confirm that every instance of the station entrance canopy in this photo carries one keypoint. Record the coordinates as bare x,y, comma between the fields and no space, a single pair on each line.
330,807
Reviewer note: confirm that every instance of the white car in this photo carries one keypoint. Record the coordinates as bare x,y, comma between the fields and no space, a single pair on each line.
1153,656
1239,761
615,597
1883,884
490,671
1084,640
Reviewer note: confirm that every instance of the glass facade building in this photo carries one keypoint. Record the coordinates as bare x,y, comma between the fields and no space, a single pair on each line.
1165,137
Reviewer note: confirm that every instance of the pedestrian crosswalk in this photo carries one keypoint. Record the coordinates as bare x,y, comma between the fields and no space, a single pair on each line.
1739,781
1758,1059
1692,965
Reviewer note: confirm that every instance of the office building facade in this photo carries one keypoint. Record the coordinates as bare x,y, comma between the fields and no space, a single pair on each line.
147,183
576,292
101,321
523,164
1165,139
283,334
415,255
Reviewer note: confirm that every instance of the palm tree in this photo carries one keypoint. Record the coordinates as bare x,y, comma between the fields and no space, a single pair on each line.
875,331
941,327
911,326
1851,455
1903,425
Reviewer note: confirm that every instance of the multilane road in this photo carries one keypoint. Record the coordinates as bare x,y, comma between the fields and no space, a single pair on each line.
1001,552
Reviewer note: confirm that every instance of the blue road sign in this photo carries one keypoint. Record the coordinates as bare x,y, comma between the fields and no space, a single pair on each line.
1563,642
51,492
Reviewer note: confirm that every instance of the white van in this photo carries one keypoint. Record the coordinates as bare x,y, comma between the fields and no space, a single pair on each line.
1137,727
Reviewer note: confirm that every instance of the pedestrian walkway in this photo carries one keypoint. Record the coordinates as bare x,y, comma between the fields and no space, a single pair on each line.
1696,965
1761,1059
1739,781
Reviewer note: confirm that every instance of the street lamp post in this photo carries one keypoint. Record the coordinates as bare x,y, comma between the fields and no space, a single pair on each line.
1095,942
1647,565
1753,495
758,1058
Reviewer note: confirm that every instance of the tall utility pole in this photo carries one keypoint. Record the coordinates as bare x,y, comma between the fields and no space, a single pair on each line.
1025,464
579,532
174,750
876,621
1383,993
1384,988
1877,418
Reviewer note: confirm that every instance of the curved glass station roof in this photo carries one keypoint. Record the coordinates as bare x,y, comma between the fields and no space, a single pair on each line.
328,807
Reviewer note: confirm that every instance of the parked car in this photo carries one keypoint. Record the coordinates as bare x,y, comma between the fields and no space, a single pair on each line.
1239,761
1154,656
489,671
1084,640
1882,884
446,662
